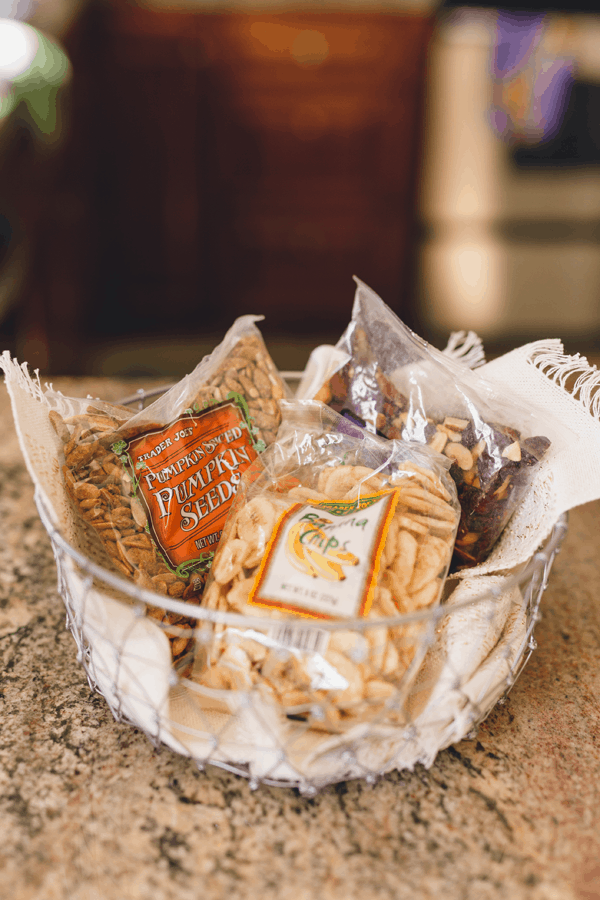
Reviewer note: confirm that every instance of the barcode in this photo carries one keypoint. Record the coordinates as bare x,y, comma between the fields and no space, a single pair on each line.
300,637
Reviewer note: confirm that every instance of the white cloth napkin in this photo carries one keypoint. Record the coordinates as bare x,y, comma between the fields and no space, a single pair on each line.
463,674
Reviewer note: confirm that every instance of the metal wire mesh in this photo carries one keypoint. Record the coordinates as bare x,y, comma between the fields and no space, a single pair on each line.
440,699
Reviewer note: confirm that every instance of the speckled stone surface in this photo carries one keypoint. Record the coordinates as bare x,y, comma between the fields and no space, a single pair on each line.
90,811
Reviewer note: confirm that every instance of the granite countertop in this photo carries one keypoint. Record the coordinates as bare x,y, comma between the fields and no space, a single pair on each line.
91,811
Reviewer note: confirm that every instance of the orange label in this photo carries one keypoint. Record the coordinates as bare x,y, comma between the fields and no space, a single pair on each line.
186,475
323,558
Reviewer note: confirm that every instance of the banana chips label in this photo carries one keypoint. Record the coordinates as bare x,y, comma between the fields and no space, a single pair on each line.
323,558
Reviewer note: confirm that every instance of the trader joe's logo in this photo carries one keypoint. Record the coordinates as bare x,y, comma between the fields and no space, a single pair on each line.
186,475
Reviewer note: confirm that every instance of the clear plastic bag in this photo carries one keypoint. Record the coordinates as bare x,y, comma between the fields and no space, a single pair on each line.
331,523
396,385
241,366
156,486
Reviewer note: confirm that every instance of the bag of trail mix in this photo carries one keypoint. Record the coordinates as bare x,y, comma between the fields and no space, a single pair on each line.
396,385
156,486
330,524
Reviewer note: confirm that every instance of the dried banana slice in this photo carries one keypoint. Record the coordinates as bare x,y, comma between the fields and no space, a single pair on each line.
349,675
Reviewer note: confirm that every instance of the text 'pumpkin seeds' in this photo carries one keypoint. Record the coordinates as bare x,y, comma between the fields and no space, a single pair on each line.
156,485
185,475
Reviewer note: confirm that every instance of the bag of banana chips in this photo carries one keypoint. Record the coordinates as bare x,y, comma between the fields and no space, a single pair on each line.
331,530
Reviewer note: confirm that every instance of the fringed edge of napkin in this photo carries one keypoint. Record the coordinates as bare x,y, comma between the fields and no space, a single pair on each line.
566,388
574,374
19,373
465,347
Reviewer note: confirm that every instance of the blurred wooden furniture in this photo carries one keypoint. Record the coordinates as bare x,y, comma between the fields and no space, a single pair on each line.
230,163
286,148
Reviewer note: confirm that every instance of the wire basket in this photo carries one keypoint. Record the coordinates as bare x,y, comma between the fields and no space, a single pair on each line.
468,653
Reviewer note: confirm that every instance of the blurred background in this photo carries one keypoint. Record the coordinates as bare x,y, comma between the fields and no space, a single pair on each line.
165,168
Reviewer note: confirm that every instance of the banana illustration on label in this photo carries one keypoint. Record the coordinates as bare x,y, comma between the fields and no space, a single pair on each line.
311,550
